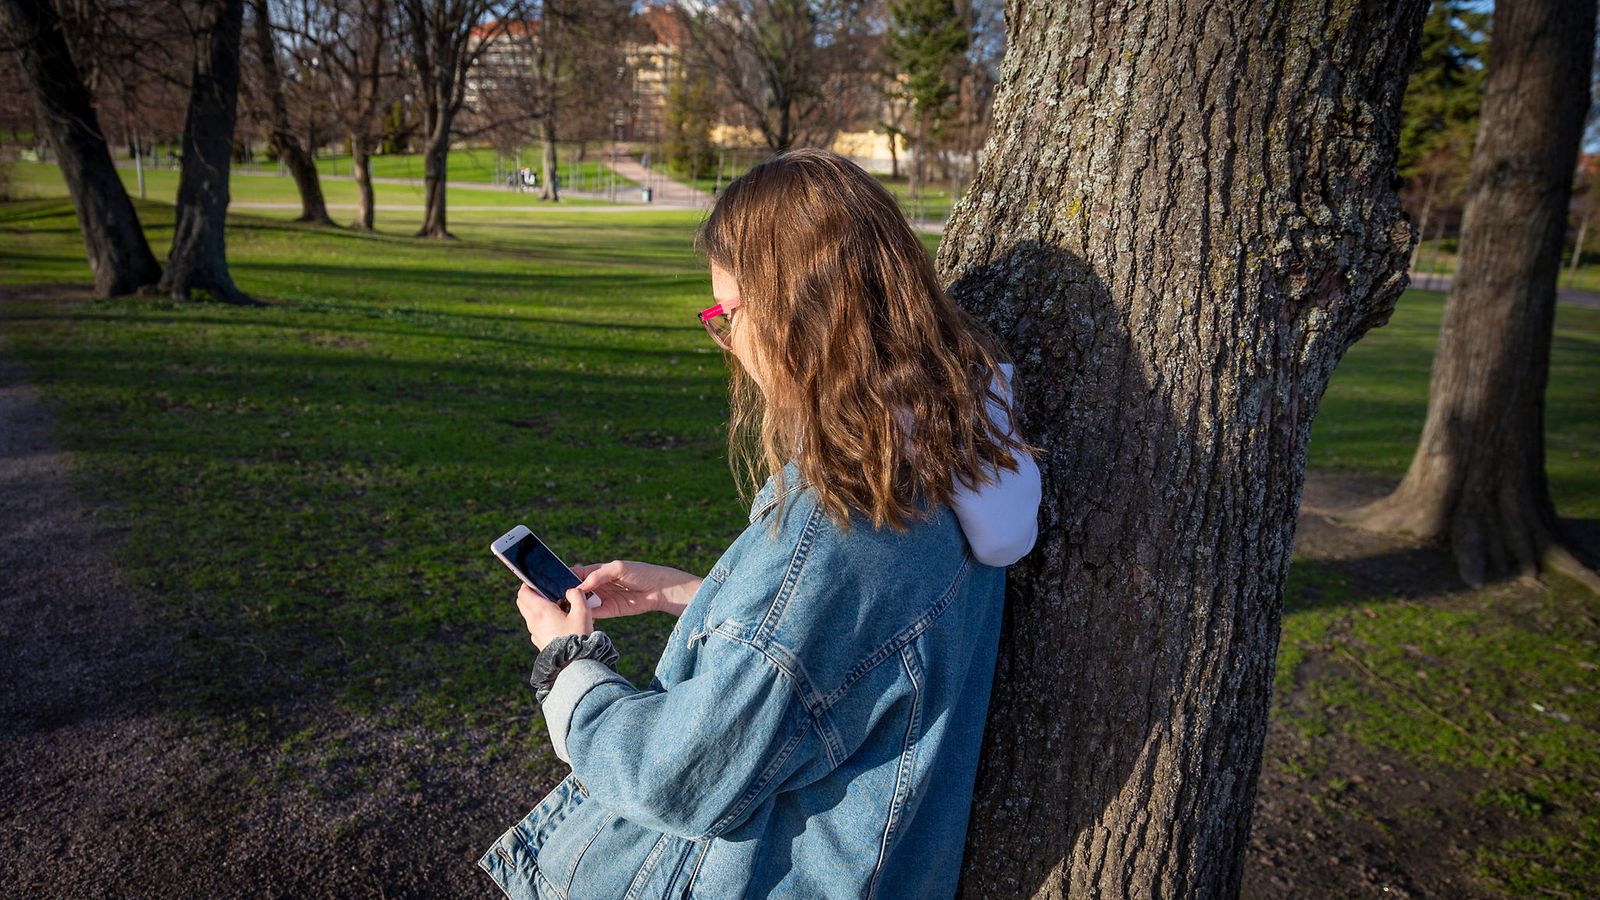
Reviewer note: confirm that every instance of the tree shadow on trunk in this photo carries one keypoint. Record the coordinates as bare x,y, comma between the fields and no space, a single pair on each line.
1120,631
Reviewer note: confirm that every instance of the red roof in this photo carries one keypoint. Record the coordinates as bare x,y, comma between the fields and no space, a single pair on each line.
515,28
663,23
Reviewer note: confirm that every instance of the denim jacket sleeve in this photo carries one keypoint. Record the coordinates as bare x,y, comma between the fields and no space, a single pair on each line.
692,760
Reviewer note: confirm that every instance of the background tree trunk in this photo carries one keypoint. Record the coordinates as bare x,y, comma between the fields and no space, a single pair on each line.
1183,219
547,136
118,254
1477,479
435,166
446,40
361,160
300,162
199,258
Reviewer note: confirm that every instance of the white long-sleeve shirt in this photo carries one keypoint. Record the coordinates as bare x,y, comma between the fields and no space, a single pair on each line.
1001,519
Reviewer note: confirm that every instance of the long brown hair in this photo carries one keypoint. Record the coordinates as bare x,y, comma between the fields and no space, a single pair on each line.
846,314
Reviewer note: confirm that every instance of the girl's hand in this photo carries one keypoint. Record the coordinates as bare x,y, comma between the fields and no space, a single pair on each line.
628,588
546,621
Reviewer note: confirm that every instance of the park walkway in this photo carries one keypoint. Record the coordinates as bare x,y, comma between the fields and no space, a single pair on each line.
667,193
1426,281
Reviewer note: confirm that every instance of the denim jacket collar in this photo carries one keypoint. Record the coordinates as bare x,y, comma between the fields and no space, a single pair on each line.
767,497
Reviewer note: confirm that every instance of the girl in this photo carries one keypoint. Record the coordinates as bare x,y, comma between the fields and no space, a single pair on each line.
814,724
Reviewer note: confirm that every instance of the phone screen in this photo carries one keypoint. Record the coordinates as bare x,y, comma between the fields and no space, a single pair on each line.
535,561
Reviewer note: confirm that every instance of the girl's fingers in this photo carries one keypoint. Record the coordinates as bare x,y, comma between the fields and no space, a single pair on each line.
580,618
598,574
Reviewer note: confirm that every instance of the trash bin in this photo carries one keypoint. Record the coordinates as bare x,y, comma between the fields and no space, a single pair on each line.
645,192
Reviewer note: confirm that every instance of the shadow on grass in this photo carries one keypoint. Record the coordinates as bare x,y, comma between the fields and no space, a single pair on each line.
311,525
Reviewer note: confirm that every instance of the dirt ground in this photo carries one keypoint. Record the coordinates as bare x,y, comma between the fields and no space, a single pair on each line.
1311,841
108,792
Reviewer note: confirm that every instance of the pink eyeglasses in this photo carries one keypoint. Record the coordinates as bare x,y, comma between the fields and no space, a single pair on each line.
718,321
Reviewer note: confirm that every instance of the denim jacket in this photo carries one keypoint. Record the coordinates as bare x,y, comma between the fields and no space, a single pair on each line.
812,729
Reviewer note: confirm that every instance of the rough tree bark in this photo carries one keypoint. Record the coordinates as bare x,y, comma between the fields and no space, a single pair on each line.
1183,219
199,259
302,167
118,254
1477,479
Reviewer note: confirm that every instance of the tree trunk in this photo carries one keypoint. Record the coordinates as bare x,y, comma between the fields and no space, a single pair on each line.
1433,252
199,259
894,157
1177,257
1477,479
361,163
118,254
547,135
1422,223
299,162
919,152
1583,233
435,165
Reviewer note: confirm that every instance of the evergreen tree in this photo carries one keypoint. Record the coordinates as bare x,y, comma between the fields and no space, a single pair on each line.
691,111
1446,88
926,41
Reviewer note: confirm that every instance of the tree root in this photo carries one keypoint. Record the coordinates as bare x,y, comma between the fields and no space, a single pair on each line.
1559,558
1526,548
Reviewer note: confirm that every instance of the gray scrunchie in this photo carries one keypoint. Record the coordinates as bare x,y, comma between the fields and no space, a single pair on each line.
562,650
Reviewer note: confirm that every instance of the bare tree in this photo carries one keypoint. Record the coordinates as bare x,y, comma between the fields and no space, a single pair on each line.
135,59
1586,196
302,167
354,41
1179,227
118,254
561,58
797,70
1477,479
447,38
199,260
986,24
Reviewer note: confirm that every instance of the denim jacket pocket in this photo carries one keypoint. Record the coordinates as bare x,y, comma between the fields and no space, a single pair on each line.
566,845
521,861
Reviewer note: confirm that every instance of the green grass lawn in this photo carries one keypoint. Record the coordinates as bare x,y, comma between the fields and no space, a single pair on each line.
1372,413
1497,684
317,481
44,180
324,474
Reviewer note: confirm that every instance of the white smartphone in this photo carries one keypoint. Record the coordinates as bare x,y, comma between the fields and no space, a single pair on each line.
534,563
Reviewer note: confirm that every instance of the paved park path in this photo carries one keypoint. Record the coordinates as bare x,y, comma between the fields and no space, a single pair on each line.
1424,281
668,193
403,182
